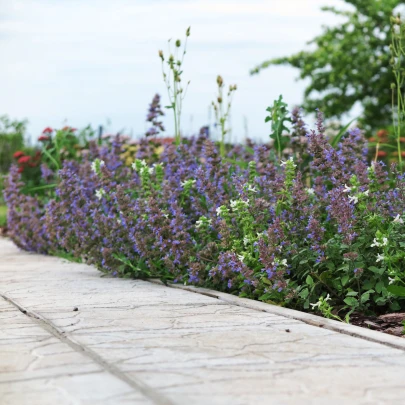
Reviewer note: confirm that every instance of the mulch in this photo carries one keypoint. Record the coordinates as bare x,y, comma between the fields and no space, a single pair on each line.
391,324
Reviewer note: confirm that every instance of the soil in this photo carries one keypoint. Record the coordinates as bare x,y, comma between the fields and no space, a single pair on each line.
3,231
391,324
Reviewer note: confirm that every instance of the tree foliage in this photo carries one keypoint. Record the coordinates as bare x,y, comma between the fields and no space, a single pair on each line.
351,63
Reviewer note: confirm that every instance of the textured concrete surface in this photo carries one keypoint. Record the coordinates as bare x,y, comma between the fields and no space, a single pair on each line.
134,342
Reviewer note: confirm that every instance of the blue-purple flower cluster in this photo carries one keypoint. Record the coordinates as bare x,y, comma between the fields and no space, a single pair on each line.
324,221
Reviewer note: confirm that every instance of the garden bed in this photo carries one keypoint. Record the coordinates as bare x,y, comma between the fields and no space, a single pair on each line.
314,226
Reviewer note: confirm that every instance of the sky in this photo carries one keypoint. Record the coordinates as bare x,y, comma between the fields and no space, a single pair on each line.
80,62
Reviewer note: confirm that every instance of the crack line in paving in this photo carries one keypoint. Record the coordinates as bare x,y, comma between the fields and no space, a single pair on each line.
147,391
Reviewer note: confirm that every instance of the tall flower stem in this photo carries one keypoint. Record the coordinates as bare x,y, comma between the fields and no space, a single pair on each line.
172,81
397,61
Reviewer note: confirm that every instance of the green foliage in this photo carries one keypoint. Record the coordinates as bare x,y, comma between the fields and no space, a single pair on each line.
3,215
11,140
398,90
278,115
65,144
350,63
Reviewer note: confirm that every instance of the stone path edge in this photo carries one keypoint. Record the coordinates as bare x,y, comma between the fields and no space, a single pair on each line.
310,319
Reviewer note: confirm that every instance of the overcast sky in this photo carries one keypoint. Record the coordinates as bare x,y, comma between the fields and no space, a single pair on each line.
80,62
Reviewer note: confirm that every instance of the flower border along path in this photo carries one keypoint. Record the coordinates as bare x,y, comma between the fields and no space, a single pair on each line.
109,340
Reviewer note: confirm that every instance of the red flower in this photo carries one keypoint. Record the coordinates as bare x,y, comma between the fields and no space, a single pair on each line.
69,129
382,133
44,138
24,159
18,154
381,153
47,130
20,169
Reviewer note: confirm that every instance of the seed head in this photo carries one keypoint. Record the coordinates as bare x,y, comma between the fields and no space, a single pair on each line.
220,81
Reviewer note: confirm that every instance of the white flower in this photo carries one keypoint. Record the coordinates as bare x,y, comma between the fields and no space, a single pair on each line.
347,189
219,210
315,305
188,182
399,10
366,193
94,165
119,221
233,203
241,257
384,242
202,221
353,199
310,191
327,298
283,262
151,169
398,220
99,193
379,258
252,189
246,240
391,280
283,163
133,165
375,243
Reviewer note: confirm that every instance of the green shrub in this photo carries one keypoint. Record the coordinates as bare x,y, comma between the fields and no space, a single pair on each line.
11,140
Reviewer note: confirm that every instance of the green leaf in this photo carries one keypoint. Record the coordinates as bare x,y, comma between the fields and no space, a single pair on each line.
345,279
385,145
394,306
379,286
309,280
352,293
364,297
377,270
352,302
304,293
396,290
340,134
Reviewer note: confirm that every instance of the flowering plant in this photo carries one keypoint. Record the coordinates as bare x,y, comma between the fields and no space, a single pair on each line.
331,233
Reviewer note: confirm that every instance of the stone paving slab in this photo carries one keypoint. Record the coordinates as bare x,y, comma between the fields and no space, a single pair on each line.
134,342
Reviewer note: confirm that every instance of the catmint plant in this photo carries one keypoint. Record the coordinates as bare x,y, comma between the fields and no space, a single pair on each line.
172,78
154,114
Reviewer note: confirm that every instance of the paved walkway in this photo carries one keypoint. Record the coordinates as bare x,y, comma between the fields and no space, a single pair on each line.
69,336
